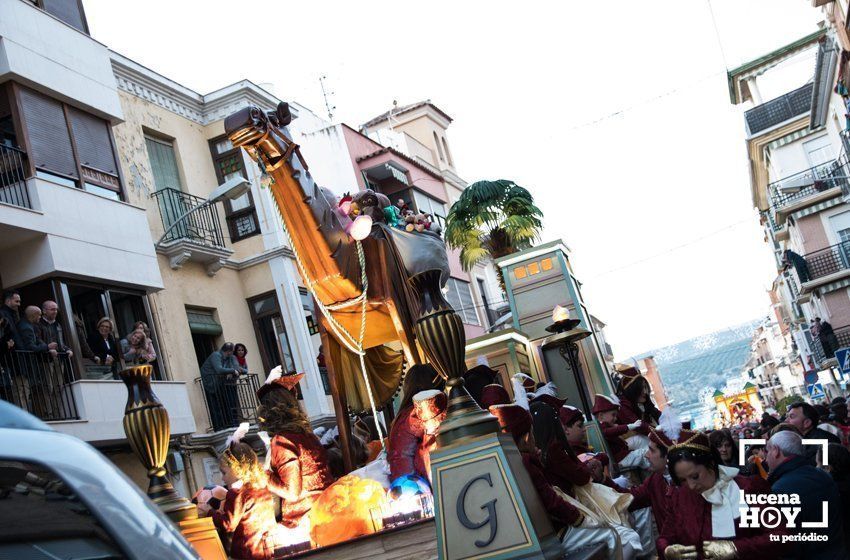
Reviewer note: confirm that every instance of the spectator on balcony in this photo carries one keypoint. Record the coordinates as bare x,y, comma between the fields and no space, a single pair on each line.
218,375
9,311
827,337
37,378
104,347
790,258
239,352
137,348
50,330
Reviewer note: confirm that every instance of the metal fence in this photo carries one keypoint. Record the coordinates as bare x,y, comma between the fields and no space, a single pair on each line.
827,261
825,349
230,399
202,226
39,384
812,181
13,176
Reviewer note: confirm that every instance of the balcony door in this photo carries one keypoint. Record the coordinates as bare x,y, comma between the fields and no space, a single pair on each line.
840,225
166,178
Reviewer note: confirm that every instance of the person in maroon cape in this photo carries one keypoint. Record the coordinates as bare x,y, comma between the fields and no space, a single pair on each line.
635,403
560,464
706,508
248,511
653,494
494,394
299,463
627,448
575,530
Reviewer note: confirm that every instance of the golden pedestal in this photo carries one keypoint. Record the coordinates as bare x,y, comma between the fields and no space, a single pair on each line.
149,432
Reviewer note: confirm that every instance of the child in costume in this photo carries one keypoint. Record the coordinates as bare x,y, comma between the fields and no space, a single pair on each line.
248,512
605,410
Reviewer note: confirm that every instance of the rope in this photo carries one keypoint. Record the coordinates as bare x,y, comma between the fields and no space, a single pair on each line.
346,338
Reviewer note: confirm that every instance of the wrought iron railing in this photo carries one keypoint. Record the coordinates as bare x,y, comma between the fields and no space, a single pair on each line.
39,383
202,226
13,176
779,110
824,348
230,399
810,182
826,261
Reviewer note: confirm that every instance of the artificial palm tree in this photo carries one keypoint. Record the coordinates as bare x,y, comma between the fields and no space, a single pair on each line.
492,219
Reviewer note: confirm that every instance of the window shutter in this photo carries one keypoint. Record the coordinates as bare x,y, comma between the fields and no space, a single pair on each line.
48,132
163,164
94,147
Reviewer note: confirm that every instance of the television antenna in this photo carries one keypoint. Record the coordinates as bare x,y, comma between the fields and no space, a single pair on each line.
326,94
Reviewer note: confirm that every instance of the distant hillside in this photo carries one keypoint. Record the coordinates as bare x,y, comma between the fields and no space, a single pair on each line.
689,367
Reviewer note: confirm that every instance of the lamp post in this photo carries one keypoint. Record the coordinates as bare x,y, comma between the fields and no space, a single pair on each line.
231,189
567,334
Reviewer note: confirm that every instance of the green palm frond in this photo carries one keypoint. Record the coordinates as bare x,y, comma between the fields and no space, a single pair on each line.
492,219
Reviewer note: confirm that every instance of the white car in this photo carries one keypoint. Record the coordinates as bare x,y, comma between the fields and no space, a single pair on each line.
60,499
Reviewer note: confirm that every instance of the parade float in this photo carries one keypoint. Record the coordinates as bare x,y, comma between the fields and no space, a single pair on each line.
737,407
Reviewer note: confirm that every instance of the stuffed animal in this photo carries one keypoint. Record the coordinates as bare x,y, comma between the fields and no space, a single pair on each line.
369,203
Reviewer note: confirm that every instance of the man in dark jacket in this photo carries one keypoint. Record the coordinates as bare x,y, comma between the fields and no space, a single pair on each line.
9,311
792,473
805,418
218,375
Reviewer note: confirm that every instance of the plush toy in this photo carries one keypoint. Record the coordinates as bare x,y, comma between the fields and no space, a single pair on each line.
368,203
356,225
392,215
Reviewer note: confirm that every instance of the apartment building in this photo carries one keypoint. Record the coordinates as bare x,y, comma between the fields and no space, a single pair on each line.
773,365
797,147
101,160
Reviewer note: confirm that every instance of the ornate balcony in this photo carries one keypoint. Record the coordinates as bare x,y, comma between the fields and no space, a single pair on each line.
197,237
777,111
13,177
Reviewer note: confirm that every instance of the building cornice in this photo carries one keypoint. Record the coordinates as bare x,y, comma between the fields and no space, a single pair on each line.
135,79
259,258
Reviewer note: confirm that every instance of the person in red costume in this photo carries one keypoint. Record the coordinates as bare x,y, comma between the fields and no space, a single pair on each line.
299,469
248,509
560,464
405,453
572,420
494,394
577,530
627,452
635,403
706,508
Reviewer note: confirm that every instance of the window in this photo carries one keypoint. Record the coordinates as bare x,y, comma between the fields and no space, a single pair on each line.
307,304
70,146
69,11
241,214
271,332
427,205
42,517
459,297
482,289
533,268
520,272
546,264
439,147
446,149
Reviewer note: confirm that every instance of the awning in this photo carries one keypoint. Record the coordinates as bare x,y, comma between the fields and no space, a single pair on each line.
203,322
788,138
817,207
832,286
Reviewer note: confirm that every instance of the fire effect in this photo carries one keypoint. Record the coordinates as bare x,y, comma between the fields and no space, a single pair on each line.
343,511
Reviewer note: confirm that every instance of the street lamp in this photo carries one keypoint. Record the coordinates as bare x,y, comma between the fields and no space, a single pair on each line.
231,189
567,334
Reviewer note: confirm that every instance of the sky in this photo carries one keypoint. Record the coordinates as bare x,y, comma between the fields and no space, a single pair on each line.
617,119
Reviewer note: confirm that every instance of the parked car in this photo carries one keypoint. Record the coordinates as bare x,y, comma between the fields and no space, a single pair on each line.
61,499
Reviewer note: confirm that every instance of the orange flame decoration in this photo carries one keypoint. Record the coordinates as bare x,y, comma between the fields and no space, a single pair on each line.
343,511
